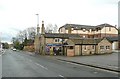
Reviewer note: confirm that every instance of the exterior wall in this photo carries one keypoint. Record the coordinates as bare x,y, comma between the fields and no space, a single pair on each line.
77,50
104,43
62,30
66,31
70,52
115,45
89,49
52,41
79,32
106,30
49,40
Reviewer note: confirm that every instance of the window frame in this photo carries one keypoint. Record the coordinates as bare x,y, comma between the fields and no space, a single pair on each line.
102,47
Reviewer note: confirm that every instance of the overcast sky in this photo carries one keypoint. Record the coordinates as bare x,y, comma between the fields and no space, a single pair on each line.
16,15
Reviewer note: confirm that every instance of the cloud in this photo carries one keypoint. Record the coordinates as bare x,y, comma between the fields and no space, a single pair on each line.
18,15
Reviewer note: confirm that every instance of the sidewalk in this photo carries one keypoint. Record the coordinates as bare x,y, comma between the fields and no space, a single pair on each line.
107,61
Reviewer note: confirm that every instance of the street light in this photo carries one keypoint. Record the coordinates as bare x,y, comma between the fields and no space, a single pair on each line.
38,28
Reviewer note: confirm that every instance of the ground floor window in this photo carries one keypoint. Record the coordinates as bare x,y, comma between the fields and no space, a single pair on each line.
70,47
107,47
93,47
101,47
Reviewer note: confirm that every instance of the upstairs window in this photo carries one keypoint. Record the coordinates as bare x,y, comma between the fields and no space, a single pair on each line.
109,28
56,40
84,30
61,30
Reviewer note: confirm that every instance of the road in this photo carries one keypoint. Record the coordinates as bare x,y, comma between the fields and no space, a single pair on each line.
21,64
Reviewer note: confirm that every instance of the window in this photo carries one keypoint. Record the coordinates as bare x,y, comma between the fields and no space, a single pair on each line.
70,47
85,48
58,40
109,28
107,47
83,36
83,30
72,29
93,47
101,47
55,40
61,30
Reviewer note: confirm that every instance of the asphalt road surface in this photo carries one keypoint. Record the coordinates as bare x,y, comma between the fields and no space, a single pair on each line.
21,64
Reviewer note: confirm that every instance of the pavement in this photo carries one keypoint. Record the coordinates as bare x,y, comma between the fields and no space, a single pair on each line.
106,61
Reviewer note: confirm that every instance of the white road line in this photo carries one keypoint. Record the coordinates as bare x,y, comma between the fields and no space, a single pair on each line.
61,76
75,64
41,66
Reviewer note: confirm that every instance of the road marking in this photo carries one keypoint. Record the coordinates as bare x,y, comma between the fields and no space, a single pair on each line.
75,64
41,66
61,76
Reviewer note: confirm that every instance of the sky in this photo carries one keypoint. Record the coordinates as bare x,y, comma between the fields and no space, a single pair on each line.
16,15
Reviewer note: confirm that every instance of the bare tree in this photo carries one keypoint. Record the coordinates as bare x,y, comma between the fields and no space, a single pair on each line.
51,28
55,28
31,33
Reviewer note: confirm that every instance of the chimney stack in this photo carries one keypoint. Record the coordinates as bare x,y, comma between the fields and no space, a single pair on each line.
43,28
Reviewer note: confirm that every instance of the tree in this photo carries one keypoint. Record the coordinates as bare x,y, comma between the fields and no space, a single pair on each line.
5,45
51,28
55,29
31,33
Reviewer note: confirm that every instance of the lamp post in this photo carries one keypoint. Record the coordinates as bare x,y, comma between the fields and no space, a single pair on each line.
37,41
38,28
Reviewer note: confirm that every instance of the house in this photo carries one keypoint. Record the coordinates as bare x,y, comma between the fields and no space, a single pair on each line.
71,44
77,47
54,41
88,31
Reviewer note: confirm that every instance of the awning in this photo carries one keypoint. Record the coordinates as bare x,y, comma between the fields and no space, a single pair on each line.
54,45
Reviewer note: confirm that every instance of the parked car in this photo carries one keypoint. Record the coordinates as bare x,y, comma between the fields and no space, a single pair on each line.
14,49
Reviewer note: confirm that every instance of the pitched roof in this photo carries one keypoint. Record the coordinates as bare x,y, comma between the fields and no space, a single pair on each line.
113,38
59,35
85,41
87,27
